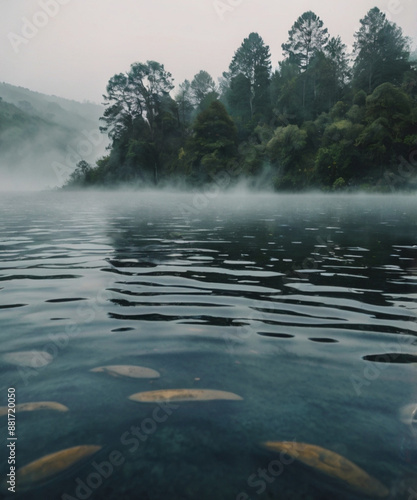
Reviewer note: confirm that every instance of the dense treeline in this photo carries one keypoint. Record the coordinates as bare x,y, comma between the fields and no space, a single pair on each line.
323,118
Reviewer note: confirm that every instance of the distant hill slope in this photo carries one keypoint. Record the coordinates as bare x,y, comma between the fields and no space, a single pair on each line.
43,137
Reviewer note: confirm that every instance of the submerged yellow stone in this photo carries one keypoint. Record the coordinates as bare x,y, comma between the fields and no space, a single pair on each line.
127,371
183,395
40,405
46,467
333,465
32,359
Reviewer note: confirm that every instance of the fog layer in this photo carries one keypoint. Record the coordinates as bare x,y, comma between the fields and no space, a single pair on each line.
43,137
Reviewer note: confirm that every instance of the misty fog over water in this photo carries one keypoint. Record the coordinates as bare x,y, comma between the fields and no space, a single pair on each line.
303,306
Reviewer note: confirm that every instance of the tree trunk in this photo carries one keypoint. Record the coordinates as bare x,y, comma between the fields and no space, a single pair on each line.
251,103
304,94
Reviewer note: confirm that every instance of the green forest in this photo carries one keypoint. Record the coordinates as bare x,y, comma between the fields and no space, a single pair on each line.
324,119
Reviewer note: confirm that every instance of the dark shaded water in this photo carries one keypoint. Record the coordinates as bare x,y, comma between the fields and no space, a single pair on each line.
302,305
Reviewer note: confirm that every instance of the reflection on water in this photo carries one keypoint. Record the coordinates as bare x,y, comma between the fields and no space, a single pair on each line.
304,306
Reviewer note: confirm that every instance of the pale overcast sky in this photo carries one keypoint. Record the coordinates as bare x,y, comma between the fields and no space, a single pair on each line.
71,48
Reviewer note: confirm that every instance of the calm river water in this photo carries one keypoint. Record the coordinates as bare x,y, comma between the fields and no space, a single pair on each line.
304,306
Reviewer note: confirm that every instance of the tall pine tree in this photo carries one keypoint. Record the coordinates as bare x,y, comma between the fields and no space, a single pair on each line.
250,72
382,52
306,37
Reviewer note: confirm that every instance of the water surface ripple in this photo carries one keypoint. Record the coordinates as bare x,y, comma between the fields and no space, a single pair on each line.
304,305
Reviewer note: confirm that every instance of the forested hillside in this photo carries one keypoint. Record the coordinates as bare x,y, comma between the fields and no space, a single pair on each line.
43,137
323,118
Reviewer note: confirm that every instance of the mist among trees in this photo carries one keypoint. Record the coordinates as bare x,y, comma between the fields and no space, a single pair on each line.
323,118
42,138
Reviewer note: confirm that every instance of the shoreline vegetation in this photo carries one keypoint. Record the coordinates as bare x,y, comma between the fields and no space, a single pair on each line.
324,120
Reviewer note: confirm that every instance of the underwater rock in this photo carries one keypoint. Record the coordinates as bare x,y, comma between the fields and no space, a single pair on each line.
32,359
41,405
183,395
127,371
50,465
333,465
